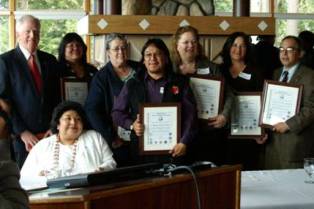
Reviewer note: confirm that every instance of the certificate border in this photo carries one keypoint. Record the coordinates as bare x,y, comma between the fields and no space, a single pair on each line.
265,94
221,93
262,129
65,80
141,138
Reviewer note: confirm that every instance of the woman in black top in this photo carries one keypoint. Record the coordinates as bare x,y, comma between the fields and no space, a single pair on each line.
72,58
240,72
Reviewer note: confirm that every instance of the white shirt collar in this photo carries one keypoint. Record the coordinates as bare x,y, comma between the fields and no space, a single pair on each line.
26,52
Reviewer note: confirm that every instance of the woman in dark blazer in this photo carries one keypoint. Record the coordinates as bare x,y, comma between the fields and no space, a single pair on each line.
105,87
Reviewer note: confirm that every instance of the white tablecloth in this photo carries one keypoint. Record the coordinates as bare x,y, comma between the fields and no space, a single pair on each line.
276,189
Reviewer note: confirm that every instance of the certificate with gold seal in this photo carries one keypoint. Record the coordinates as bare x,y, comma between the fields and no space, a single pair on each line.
161,127
208,92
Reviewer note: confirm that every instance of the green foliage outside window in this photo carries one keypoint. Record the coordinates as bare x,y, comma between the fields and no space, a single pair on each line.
305,6
223,5
49,4
4,4
52,32
4,34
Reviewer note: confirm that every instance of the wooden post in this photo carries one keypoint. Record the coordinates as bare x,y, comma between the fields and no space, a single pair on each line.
241,8
272,7
100,7
87,9
12,36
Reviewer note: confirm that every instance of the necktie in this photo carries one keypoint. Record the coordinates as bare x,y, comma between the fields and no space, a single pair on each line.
35,73
285,76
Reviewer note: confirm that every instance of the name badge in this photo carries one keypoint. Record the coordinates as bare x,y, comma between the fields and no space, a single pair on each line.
161,90
203,71
245,76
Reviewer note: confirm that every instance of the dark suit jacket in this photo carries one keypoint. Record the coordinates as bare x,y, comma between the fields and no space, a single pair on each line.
11,194
30,111
288,150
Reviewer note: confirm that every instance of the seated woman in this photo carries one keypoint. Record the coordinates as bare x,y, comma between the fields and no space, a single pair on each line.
72,149
72,57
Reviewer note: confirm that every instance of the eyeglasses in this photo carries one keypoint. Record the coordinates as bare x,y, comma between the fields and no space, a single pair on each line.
121,48
288,49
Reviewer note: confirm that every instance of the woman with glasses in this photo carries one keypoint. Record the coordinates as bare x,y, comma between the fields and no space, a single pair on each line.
105,87
72,57
242,74
189,60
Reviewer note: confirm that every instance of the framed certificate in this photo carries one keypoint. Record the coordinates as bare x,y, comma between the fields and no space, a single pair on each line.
74,89
162,127
281,101
208,92
245,115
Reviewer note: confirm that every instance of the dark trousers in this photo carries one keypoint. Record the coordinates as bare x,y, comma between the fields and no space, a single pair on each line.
20,152
211,146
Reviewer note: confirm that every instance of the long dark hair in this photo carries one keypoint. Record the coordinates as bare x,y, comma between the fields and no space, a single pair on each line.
228,44
70,37
160,44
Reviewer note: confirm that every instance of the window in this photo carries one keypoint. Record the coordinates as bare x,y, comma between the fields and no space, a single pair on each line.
259,6
295,6
52,32
293,16
4,34
4,4
223,6
49,4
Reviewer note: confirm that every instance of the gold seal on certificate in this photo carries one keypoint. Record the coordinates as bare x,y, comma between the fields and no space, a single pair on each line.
281,101
161,127
245,116
74,89
208,92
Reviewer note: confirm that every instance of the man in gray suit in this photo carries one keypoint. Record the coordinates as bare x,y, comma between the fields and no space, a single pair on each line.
293,140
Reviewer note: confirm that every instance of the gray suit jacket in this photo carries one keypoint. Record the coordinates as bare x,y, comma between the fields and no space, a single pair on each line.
289,149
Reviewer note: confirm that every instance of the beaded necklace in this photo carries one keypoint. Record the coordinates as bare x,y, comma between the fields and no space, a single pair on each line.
56,155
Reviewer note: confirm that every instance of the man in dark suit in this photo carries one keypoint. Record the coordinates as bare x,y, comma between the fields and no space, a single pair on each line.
29,80
292,140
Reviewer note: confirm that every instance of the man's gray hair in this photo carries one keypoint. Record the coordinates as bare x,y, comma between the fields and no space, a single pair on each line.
113,36
24,18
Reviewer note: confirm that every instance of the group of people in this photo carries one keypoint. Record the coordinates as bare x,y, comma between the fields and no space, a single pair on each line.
59,139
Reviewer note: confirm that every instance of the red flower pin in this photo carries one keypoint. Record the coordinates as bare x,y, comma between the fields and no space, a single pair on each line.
175,90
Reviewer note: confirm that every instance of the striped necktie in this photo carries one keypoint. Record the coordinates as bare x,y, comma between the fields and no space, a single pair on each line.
285,76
